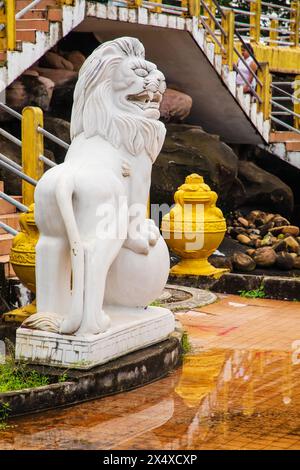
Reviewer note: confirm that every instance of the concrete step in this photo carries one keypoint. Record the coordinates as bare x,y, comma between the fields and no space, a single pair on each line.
293,146
27,35
10,219
8,269
35,14
7,208
5,243
33,24
283,136
55,14
20,4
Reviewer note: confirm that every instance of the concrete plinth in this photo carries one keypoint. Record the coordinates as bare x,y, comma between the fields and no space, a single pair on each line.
131,329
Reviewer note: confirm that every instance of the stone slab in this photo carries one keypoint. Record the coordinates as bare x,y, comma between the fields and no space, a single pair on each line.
131,329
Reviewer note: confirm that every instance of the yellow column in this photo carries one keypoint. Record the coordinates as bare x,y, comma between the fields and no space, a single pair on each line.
255,8
228,41
274,34
264,90
295,18
193,5
32,148
11,25
296,103
211,5
135,3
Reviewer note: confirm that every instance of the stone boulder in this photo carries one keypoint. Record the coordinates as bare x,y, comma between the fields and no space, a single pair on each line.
28,90
76,58
55,61
188,149
60,128
175,106
264,190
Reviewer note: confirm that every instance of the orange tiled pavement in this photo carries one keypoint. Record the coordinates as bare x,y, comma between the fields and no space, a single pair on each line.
239,388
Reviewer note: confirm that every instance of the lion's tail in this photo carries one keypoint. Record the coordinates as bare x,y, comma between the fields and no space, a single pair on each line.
64,193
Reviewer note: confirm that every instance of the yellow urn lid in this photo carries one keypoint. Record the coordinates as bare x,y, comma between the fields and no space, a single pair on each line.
194,190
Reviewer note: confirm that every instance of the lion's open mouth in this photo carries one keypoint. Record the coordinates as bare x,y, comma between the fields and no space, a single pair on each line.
146,100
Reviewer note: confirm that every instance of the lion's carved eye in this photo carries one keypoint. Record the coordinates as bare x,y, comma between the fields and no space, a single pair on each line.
141,72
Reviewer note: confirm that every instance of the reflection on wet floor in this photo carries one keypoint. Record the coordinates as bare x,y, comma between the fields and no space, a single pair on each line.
224,397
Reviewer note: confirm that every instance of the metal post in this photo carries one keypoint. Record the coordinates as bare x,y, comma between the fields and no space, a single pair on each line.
255,7
264,90
32,148
295,18
228,40
296,101
193,6
10,8
273,33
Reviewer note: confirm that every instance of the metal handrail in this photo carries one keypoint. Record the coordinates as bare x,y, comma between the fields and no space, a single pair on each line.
17,172
10,162
285,93
213,18
213,35
284,124
10,137
52,137
12,201
251,90
23,12
8,229
247,66
47,161
11,111
280,106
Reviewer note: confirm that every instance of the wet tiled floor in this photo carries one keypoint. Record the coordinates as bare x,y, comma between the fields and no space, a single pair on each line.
239,388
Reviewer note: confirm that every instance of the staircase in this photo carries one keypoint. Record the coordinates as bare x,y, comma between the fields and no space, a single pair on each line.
9,216
34,33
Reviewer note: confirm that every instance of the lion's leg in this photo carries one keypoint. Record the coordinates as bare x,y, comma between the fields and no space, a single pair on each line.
53,275
98,257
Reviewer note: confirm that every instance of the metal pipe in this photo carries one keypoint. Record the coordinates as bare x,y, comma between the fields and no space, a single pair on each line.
47,161
18,173
27,8
284,124
8,229
213,18
10,111
283,83
286,93
242,12
273,5
12,201
280,113
10,137
280,106
247,66
163,5
251,90
10,162
52,137
213,35
282,98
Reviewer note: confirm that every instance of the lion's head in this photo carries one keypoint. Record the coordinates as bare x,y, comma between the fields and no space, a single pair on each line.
118,95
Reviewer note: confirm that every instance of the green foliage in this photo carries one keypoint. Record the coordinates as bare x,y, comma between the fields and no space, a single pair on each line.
4,413
185,343
63,377
16,376
254,294
156,303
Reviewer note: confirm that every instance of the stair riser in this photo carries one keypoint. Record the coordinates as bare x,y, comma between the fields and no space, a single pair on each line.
26,35
20,4
39,25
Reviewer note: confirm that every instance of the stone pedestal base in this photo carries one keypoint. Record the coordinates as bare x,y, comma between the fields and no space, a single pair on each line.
131,329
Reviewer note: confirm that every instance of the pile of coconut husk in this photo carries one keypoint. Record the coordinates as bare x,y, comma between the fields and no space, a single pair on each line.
273,242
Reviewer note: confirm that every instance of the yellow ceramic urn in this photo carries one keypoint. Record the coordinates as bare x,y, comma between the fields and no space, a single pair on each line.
22,258
194,228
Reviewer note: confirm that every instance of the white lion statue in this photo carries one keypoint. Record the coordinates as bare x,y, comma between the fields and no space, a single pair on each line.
96,246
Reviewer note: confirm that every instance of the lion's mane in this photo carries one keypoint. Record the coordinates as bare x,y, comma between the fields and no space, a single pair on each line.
93,111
